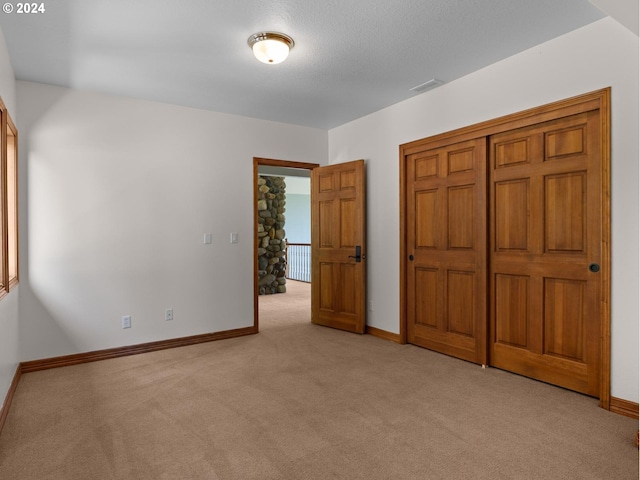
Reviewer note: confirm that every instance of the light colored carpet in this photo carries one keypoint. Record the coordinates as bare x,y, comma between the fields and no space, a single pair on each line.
298,401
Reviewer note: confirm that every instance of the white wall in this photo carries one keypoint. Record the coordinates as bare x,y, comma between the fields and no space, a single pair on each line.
298,215
599,55
119,195
624,11
9,304
298,218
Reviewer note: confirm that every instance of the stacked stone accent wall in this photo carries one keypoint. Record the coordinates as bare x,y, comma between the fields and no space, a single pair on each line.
271,235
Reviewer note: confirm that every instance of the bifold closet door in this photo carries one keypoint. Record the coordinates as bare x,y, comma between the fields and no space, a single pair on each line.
545,251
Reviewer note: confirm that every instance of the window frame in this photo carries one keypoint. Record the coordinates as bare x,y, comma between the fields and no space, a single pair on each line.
11,185
9,239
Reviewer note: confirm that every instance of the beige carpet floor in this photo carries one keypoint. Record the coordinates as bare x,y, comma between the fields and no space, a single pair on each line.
298,401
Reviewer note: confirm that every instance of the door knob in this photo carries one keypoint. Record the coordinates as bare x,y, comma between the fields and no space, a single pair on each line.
411,258
594,267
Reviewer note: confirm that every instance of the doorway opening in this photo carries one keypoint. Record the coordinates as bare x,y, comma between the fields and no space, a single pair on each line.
292,296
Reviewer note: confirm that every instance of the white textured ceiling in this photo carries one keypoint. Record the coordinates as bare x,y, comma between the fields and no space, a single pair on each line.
352,57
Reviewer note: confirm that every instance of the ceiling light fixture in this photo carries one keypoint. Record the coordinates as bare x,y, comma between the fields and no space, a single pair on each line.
270,47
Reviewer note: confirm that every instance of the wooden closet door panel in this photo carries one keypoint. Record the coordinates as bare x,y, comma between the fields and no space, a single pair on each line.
446,239
546,217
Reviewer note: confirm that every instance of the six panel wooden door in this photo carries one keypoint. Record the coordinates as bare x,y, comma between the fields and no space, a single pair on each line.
447,249
338,293
545,244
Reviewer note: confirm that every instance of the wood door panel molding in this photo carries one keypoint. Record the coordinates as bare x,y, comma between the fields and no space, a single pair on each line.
512,310
568,141
427,167
512,232
548,206
460,213
348,180
461,316
326,214
460,161
515,151
426,207
348,218
565,212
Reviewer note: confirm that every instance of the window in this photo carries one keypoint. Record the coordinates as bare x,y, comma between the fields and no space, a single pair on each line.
8,202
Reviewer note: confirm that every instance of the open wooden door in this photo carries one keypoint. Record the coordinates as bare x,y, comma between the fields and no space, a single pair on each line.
338,247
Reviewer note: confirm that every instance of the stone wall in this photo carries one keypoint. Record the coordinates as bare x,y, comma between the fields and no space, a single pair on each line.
271,235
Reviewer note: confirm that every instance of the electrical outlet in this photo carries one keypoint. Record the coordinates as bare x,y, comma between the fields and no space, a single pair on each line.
126,321
168,314
371,306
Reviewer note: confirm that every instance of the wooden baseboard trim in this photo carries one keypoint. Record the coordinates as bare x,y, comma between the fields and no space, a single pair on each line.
78,358
4,411
376,332
624,407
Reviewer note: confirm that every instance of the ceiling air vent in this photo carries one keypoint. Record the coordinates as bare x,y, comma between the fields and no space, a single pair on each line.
433,83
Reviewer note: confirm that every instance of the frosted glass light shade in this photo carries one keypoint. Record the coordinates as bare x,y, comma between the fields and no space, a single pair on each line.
270,47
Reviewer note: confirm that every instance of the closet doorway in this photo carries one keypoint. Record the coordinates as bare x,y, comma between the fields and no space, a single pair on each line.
505,233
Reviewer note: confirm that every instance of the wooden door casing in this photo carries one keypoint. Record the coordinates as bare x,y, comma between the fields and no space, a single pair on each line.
446,239
257,163
338,226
